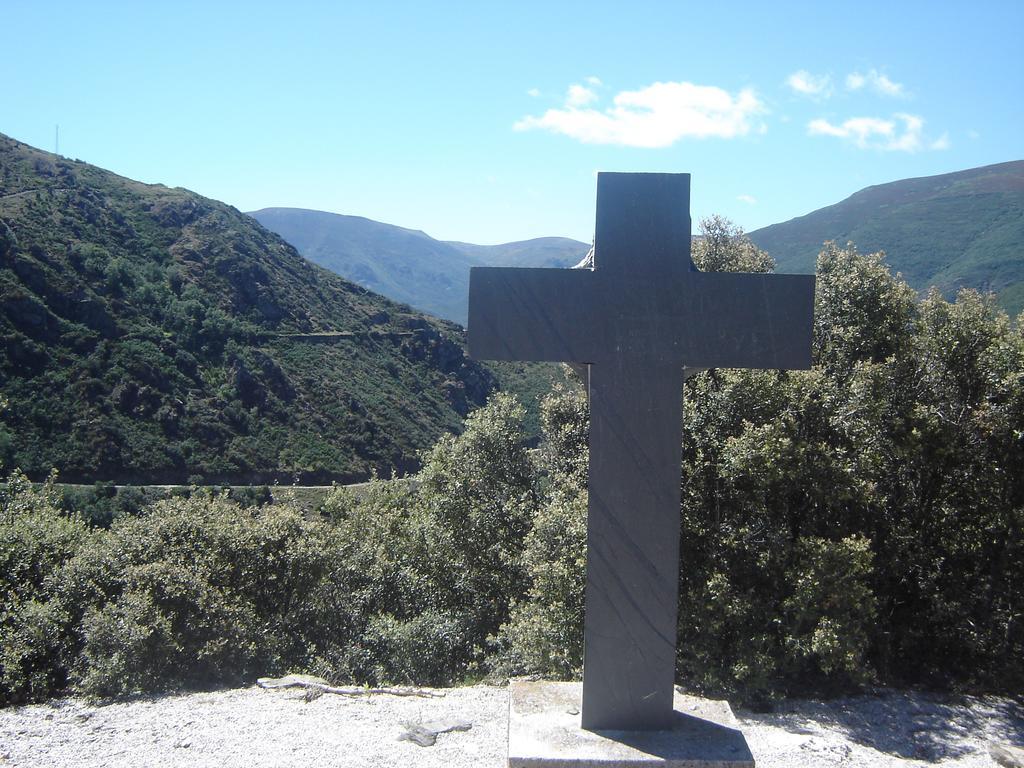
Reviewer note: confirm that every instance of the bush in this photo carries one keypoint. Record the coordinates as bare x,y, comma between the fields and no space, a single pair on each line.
861,519
207,593
129,647
418,650
830,609
36,540
477,495
401,583
544,633
433,566
383,575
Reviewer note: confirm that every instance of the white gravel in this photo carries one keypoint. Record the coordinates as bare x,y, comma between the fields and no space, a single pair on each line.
254,727
888,729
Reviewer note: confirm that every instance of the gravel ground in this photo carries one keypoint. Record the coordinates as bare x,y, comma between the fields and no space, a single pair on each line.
254,727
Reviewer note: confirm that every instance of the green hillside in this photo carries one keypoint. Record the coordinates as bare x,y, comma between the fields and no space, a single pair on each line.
153,335
405,264
963,229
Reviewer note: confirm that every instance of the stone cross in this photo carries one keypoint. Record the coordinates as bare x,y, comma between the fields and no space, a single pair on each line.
641,315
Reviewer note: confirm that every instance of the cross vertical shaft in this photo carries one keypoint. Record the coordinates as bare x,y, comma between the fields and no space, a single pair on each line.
632,545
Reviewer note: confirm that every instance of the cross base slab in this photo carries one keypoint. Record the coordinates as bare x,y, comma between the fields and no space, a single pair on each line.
544,732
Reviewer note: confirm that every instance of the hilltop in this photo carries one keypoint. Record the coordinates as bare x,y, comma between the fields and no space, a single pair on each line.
963,229
408,265
154,335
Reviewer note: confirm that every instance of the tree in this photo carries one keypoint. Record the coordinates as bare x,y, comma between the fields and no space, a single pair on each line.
477,496
723,247
544,632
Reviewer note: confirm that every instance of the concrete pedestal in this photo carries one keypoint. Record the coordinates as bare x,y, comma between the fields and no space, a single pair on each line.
544,732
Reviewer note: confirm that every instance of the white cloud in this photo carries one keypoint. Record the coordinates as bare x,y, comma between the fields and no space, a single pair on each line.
748,199
803,82
879,133
579,96
594,81
658,115
533,92
876,81
883,84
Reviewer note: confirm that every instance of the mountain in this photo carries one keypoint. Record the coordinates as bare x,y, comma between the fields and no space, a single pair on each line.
403,264
539,252
963,229
407,265
151,335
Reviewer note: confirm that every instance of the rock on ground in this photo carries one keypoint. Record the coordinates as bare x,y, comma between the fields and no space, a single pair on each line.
255,727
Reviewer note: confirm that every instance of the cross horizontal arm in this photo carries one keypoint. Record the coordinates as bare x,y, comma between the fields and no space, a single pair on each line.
530,314
749,321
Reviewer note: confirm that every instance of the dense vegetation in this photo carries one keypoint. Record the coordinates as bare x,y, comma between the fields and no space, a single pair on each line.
862,521
404,583
151,335
956,230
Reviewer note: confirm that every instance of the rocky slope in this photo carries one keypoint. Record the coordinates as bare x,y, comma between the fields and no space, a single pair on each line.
152,335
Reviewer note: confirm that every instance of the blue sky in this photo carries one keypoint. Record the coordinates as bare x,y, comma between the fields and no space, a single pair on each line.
486,122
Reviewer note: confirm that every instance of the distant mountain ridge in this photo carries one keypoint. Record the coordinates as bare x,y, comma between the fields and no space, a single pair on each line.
153,335
962,229
407,265
550,252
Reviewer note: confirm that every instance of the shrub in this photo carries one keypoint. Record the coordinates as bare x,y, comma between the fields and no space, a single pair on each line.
129,647
433,566
383,575
477,494
36,540
208,593
417,650
830,608
862,518
544,633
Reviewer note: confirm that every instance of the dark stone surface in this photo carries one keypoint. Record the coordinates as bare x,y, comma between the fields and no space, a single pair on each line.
637,318
705,320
